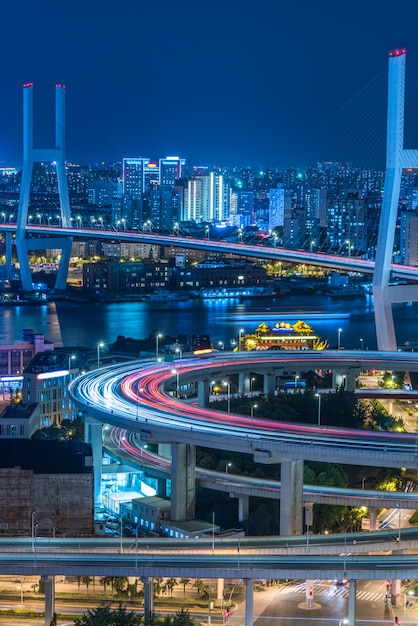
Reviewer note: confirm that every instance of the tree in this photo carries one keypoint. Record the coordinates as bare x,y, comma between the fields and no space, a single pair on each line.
183,618
86,581
171,583
184,582
105,616
120,585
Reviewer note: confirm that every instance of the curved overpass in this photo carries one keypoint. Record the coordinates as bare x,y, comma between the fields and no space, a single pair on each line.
134,396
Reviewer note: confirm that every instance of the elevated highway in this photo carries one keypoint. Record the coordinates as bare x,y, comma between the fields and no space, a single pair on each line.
336,262
134,396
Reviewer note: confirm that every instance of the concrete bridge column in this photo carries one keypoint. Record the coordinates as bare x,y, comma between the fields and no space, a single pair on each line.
164,449
351,377
338,379
161,487
183,482
93,435
9,266
148,596
291,497
249,601
373,518
352,603
49,585
269,382
396,587
220,591
244,382
203,392
243,508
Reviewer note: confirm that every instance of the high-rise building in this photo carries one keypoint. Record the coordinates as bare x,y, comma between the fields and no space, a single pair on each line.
206,198
170,170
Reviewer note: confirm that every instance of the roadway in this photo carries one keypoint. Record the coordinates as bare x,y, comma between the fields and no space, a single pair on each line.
134,396
347,263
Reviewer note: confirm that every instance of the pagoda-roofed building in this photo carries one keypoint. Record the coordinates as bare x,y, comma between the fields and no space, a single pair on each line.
283,336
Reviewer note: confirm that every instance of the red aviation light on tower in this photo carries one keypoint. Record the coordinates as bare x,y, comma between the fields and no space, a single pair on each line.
27,85
398,52
60,85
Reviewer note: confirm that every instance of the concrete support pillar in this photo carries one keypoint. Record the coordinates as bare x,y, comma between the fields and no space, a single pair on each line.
162,487
291,497
93,435
352,375
373,518
269,383
338,379
249,601
309,593
148,596
164,449
183,482
220,591
9,266
203,392
49,585
244,382
352,603
396,588
243,508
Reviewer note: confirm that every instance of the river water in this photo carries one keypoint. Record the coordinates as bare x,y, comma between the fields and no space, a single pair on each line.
71,324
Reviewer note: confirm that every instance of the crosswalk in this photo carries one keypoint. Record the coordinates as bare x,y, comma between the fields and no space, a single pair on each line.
329,590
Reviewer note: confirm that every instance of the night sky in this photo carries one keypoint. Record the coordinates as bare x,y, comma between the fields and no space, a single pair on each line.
226,82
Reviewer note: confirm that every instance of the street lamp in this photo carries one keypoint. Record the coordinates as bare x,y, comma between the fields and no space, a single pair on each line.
252,379
70,358
296,381
398,506
221,345
20,588
240,235
361,343
254,406
157,341
33,530
318,395
348,242
340,330
241,330
179,351
176,372
343,622
311,245
363,480
99,345
206,232
226,467
227,384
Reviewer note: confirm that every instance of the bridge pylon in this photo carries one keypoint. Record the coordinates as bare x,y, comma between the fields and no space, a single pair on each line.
33,155
397,159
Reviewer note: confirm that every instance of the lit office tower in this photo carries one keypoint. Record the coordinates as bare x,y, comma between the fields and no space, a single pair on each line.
315,206
276,207
134,188
171,169
346,224
206,199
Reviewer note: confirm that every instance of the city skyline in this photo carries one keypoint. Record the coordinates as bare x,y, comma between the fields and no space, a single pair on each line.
272,84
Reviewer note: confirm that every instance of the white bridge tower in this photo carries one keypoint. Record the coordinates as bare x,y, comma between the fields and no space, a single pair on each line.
397,158
33,155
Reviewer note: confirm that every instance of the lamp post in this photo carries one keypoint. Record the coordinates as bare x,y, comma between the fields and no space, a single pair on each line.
410,592
296,381
20,588
99,345
240,235
213,531
176,372
340,330
70,358
157,346
311,245
398,506
33,530
361,343
252,379
226,467
241,330
221,345
227,384
348,242
318,395
363,480
254,406
180,352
